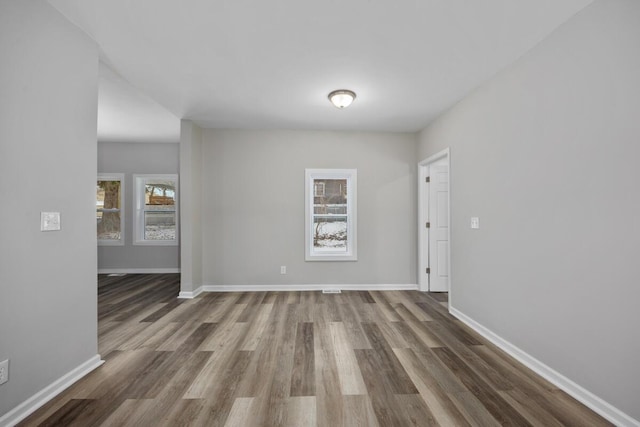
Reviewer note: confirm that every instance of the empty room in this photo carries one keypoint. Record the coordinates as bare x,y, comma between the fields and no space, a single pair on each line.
345,213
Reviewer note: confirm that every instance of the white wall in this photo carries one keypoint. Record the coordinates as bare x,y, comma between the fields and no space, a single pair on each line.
253,206
546,154
48,307
190,207
130,159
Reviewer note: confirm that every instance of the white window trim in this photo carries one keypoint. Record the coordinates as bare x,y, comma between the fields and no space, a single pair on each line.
139,181
115,177
351,175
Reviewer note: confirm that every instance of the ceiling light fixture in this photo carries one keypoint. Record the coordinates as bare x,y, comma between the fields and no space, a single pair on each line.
342,98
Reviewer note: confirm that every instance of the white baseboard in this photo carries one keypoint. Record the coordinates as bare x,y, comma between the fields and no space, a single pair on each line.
314,287
190,294
29,406
138,270
579,393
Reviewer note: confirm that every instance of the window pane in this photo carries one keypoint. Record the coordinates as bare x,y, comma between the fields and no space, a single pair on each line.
108,210
160,195
330,215
330,233
160,206
330,192
159,225
156,210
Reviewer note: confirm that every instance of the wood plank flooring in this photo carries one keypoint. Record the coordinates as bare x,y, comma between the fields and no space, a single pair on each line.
297,359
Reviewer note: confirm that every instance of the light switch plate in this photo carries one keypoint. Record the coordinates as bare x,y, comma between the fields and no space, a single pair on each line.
4,371
475,222
49,221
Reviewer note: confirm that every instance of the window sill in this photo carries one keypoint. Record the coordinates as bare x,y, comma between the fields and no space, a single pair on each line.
331,257
155,243
111,242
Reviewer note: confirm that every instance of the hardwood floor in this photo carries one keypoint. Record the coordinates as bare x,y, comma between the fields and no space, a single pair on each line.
297,359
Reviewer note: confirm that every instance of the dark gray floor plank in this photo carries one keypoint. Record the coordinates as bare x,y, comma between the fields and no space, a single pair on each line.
269,358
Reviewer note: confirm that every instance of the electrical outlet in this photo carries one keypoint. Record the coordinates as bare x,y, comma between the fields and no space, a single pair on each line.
283,269
4,371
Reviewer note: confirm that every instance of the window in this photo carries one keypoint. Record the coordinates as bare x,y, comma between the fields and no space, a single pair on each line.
330,208
156,201
109,207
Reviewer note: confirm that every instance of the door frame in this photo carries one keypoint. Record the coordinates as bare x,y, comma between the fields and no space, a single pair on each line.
423,217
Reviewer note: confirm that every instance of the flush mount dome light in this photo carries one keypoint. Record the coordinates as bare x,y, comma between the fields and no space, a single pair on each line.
342,98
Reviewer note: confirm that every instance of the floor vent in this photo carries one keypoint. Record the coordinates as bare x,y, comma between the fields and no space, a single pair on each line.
331,291
116,274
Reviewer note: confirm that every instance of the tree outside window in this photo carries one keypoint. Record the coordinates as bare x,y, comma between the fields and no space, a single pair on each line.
109,201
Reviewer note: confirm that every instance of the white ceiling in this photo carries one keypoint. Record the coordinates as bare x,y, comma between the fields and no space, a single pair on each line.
270,64
125,114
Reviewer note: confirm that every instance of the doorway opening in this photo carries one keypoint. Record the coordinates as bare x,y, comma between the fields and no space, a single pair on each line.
434,249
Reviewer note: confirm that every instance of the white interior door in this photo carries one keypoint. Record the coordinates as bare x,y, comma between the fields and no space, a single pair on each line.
438,230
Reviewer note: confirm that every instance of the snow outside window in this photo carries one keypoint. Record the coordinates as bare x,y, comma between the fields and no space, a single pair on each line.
156,201
330,210
109,207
